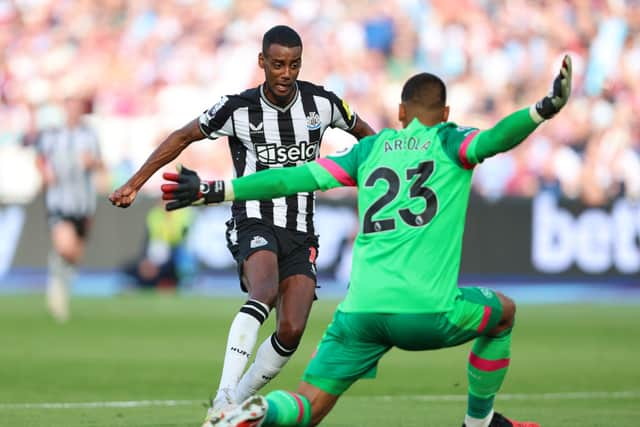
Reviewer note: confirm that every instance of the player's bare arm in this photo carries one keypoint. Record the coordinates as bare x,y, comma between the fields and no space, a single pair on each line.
167,151
186,188
361,129
46,172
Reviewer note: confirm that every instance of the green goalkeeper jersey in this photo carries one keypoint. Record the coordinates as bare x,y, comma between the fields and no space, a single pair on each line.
413,188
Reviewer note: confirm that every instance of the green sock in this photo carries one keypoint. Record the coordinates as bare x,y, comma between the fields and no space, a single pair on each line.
287,409
488,363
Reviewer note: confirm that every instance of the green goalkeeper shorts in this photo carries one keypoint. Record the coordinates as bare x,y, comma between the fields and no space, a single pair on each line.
353,343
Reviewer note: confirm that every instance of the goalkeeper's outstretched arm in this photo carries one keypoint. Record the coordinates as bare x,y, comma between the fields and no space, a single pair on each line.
186,188
273,183
513,129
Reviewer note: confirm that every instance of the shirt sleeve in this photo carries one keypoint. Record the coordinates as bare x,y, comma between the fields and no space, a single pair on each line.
469,146
505,135
43,143
323,174
93,144
39,144
340,169
272,183
455,140
341,115
217,121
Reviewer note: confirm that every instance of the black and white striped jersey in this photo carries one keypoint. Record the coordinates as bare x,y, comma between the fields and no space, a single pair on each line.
263,136
73,192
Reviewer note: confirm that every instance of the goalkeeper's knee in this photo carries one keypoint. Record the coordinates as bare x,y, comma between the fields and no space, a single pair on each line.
508,315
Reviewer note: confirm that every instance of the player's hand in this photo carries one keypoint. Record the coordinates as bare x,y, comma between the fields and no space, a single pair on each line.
123,196
186,189
549,106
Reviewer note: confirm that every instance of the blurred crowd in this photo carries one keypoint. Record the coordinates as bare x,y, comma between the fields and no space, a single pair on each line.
146,67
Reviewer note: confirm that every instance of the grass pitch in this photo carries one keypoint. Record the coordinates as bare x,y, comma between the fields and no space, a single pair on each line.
153,360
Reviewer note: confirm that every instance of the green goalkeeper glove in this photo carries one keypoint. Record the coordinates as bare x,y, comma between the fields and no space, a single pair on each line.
186,189
549,106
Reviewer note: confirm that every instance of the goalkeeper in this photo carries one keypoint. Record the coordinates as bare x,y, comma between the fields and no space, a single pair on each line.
413,188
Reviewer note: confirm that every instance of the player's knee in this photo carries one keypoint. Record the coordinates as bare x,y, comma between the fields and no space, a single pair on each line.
262,285
508,315
508,311
263,291
70,254
290,333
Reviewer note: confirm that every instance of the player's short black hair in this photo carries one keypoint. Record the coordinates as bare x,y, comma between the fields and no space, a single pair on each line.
282,35
426,90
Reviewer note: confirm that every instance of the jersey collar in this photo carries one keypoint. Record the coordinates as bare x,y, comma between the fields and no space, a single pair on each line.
414,123
277,107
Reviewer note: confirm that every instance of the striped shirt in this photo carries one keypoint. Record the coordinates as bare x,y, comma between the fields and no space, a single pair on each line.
264,136
73,191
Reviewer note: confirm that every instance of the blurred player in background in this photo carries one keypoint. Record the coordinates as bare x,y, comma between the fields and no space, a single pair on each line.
413,189
278,124
67,158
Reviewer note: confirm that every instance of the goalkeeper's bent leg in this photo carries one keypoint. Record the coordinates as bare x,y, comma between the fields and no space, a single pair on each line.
287,409
487,368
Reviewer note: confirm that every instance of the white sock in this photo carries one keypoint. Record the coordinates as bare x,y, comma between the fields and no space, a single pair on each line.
240,343
270,359
61,274
478,422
